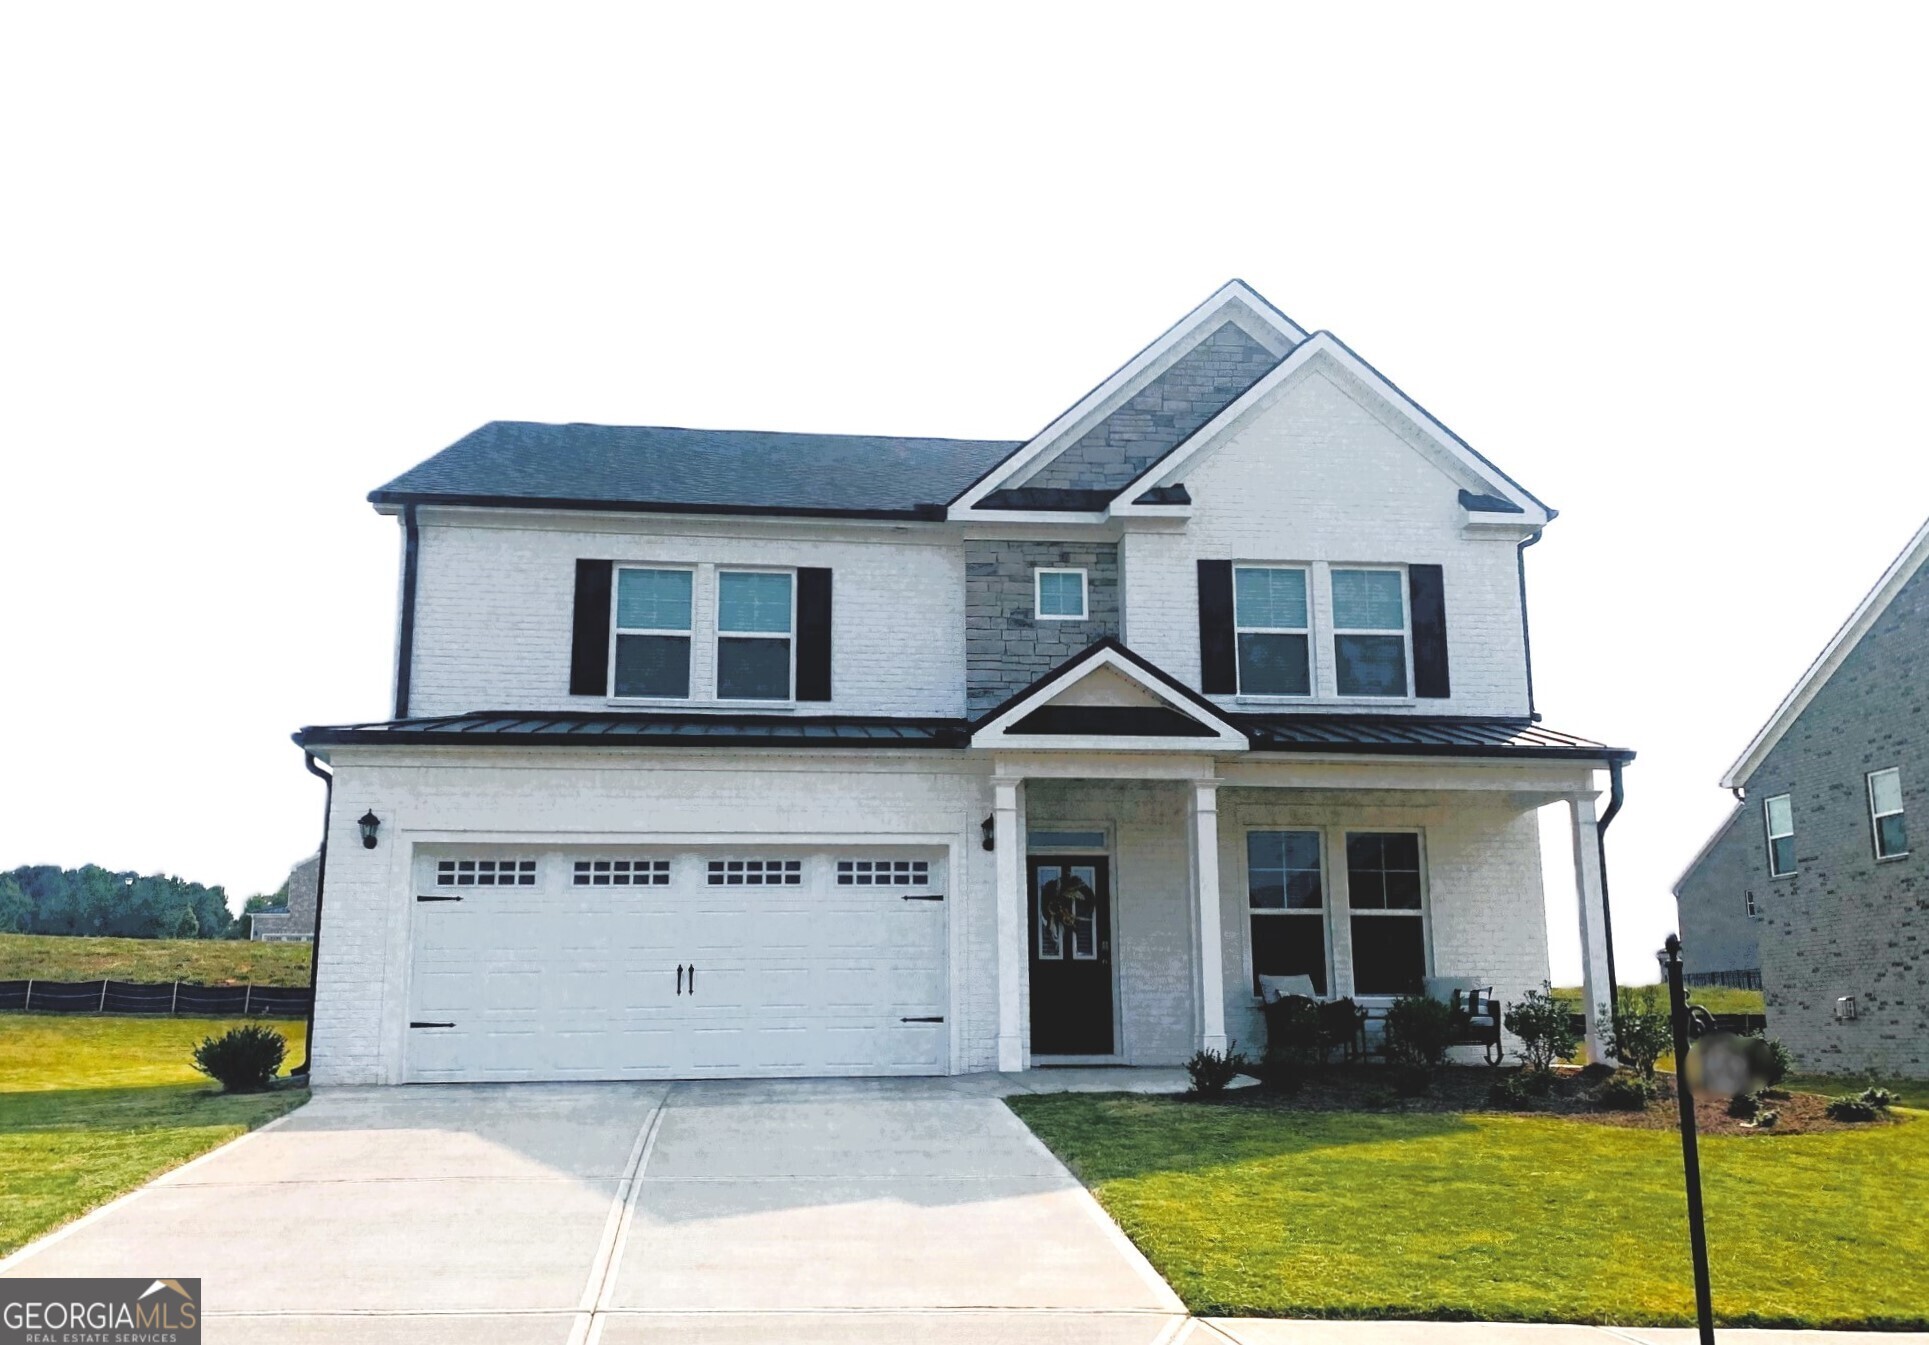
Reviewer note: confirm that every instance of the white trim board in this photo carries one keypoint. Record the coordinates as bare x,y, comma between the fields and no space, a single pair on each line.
997,732
1833,655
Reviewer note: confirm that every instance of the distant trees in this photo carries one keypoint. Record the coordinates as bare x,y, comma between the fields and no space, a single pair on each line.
44,899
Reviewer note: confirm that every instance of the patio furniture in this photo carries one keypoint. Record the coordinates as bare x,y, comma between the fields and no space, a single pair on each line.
1338,1022
1476,1013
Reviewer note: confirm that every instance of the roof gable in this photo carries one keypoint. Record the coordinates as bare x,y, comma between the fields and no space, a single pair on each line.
1107,698
1904,568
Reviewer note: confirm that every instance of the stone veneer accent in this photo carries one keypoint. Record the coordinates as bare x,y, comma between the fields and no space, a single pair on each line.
1160,415
1006,647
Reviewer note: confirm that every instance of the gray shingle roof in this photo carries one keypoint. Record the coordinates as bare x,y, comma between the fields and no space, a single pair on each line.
662,469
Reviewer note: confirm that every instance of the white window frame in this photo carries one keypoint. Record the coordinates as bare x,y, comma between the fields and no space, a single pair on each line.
1325,911
1875,818
718,635
1426,899
689,634
1305,569
1748,905
1038,593
1405,632
1771,835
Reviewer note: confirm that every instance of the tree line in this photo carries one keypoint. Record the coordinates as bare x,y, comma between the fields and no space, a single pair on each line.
90,900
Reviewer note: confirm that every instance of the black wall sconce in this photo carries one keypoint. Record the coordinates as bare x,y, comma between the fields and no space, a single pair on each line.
990,828
370,824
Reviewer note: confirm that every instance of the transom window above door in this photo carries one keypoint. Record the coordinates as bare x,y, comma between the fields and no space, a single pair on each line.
650,656
756,613
1369,632
1272,624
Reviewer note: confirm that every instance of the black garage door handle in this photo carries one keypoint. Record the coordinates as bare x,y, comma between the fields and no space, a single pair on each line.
693,978
679,978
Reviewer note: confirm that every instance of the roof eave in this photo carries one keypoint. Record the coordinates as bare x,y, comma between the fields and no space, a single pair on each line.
388,501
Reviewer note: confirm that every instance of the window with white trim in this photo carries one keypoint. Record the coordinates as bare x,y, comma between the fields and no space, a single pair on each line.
1388,910
485,873
756,872
1885,814
1748,905
883,873
621,873
1059,595
1074,940
1286,905
1778,820
756,613
1370,635
650,648
1273,628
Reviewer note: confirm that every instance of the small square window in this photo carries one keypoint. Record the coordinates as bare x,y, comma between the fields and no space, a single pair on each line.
1061,595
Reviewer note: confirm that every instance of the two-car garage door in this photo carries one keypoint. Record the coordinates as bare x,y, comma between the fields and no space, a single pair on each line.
637,963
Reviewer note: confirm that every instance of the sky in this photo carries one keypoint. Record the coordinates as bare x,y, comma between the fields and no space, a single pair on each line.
1662,263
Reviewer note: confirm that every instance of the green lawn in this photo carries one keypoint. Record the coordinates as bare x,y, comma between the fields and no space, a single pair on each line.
93,1107
1713,998
55,957
1269,1212
1909,1092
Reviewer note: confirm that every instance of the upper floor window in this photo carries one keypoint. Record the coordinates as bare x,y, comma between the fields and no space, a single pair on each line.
1778,817
1271,624
755,617
651,653
1369,632
1061,595
1885,813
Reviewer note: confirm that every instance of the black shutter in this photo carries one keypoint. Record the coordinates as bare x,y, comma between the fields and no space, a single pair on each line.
1218,652
589,648
813,635
1427,599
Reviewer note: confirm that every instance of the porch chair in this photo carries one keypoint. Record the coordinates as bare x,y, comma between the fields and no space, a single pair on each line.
1341,1022
1476,1013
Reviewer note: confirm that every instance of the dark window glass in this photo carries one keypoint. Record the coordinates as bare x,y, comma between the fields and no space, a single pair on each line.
1282,870
1891,837
1273,665
1383,875
1782,855
1389,954
1290,944
753,670
1370,665
653,665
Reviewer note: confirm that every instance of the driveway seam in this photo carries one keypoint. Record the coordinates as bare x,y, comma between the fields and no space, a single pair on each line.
602,1274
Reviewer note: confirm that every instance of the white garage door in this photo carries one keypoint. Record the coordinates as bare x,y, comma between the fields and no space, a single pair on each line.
621,964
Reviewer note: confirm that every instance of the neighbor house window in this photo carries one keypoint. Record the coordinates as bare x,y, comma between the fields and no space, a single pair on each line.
652,653
1748,904
1269,615
754,616
1286,905
1061,595
1388,918
1370,632
1885,813
1779,817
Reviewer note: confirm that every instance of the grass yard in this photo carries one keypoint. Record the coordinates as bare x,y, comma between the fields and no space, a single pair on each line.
1268,1211
57,957
1909,1092
93,1107
1713,998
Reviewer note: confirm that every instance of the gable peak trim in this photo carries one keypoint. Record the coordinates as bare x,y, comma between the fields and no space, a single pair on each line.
994,727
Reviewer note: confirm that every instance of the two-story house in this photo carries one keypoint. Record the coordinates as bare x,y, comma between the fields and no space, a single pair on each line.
733,753
1814,865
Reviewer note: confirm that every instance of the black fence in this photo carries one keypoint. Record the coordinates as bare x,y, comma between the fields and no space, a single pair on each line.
1727,1022
1729,980
182,999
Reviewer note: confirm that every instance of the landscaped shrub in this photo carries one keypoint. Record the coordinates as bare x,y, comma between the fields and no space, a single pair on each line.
1639,1032
1850,1107
1418,1031
1766,1119
1211,1071
1744,1106
1768,1060
1625,1092
1293,1035
1511,1091
1879,1098
1545,1029
243,1059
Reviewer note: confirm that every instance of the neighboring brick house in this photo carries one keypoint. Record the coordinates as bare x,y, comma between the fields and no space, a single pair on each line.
741,753
1718,899
1822,841
294,921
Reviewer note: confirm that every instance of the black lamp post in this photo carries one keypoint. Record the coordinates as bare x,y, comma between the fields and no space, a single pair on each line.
370,824
1670,956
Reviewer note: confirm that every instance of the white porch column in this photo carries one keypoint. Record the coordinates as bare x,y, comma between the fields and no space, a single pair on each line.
1007,795
1593,902
1204,836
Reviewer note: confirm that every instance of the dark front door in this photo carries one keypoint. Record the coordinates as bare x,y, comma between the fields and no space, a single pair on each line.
1071,955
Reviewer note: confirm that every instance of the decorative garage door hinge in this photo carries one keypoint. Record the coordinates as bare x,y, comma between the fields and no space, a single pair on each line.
438,898
431,1024
935,896
938,1019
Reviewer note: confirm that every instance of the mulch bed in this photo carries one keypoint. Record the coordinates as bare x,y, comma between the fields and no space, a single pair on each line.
1370,1087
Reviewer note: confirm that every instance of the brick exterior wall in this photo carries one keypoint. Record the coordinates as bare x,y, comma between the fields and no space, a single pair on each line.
1717,933
1007,647
1845,923
1160,415
297,920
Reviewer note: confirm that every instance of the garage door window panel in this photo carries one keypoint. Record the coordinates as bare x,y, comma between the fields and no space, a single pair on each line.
756,873
485,873
756,614
621,873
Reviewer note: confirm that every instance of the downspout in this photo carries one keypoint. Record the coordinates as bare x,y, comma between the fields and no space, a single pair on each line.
1526,640
405,643
321,883
1616,796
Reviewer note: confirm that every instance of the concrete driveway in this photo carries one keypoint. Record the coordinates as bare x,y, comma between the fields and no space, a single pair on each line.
539,1214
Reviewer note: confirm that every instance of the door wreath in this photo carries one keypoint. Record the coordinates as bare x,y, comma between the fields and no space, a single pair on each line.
1058,900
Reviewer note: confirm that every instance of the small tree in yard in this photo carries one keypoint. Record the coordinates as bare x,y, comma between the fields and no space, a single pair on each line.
1640,1032
1419,1031
1545,1029
243,1059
